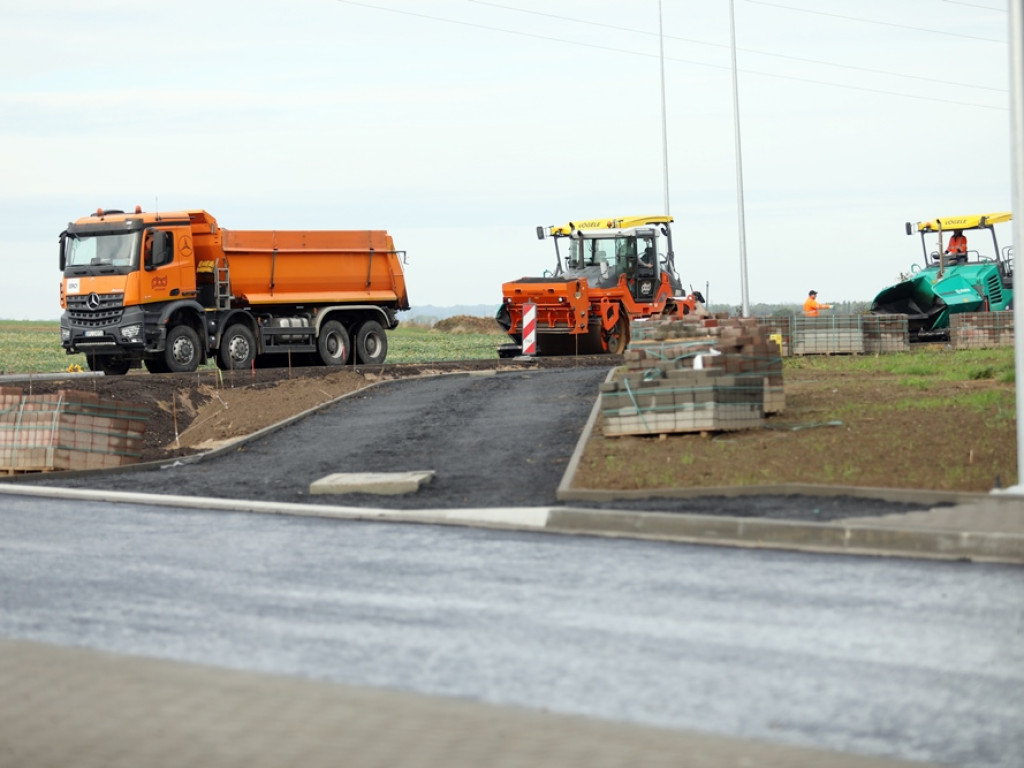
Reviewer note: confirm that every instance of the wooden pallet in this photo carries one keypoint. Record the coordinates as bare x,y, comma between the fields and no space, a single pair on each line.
24,470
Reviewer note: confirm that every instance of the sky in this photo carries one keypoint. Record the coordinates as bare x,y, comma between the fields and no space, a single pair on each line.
461,125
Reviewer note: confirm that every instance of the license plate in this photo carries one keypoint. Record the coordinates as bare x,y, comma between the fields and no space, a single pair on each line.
94,333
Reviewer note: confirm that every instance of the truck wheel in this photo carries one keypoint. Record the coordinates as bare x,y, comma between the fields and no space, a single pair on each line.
182,351
332,343
371,343
237,348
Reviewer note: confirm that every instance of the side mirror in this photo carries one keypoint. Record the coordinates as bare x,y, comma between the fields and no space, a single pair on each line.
909,227
63,259
158,249
540,233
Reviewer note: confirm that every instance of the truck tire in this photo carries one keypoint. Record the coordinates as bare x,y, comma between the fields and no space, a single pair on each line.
371,343
155,365
182,351
237,348
332,343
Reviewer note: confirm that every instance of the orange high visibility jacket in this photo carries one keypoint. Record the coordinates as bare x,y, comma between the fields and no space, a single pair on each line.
957,244
811,307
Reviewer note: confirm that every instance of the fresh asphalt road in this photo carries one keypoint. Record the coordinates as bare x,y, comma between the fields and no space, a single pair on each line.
503,439
914,659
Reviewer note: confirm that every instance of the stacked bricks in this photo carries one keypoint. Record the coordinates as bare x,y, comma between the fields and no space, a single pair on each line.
885,333
694,375
981,330
780,329
849,334
828,335
67,430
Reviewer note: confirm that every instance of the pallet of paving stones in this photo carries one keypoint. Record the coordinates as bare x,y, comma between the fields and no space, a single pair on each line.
712,374
981,330
67,430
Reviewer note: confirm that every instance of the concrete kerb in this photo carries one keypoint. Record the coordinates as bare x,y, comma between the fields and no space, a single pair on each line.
825,538
17,378
829,538
512,518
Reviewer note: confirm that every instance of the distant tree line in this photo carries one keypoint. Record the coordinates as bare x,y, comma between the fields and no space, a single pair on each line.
433,315
770,310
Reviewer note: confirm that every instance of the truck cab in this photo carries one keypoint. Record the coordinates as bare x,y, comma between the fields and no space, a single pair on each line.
118,270
636,257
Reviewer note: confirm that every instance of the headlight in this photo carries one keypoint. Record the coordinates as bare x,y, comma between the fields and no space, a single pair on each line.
65,334
131,332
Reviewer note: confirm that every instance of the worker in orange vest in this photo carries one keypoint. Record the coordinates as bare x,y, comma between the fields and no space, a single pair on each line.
957,247
811,306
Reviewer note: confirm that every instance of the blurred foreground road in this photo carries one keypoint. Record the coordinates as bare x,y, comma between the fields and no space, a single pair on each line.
912,659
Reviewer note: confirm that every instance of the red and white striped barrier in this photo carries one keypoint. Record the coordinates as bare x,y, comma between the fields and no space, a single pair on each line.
529,328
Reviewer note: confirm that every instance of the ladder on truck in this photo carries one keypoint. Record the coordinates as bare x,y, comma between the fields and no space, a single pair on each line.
223,288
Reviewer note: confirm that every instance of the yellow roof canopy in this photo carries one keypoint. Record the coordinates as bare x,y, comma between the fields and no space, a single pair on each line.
973,221
610,223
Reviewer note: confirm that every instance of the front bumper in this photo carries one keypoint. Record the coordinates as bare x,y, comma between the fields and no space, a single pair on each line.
126,334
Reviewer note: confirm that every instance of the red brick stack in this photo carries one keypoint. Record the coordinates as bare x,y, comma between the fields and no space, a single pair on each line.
695,375
67,430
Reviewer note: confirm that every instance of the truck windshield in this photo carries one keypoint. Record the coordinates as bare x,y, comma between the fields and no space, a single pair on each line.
613,252
113,250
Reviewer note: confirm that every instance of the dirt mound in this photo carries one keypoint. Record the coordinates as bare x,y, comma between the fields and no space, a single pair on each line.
231,413
468,324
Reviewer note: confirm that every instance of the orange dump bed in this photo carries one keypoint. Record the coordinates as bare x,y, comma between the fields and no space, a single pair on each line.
345,266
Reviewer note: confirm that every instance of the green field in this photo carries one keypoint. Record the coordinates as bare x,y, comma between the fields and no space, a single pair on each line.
919,366
34,347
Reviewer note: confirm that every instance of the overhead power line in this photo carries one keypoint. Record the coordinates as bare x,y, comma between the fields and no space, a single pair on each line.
644,54
958,34
975,5
494,29
803,60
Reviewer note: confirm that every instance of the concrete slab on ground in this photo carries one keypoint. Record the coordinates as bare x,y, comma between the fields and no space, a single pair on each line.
381,483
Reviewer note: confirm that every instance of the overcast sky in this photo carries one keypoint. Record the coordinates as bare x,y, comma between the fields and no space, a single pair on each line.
461,125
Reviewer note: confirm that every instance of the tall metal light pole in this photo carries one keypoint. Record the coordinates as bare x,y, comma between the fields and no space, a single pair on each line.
739,164
1017,183
664,119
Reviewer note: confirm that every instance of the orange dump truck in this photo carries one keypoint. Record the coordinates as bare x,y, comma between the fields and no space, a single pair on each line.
171,290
